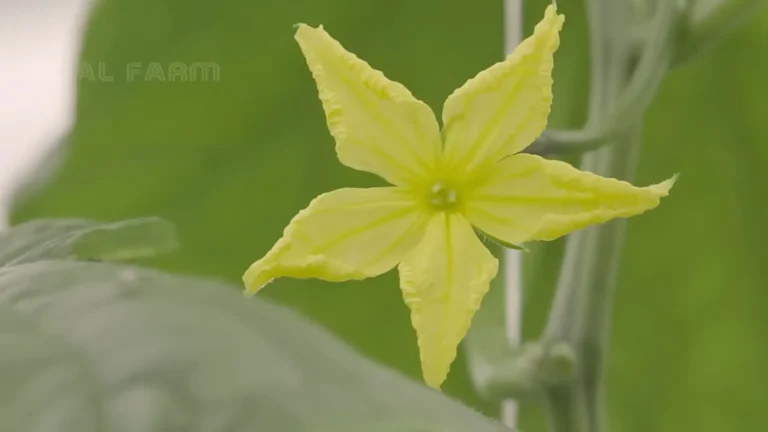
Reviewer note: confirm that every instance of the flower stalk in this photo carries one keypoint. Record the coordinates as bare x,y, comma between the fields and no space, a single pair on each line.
581,312
624,78
633,99
512,259
581,308
632,46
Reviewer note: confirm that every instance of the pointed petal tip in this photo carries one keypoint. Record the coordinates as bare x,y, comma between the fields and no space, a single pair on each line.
256,277
436,361
663,188
551,14
436,356
305,30
435,377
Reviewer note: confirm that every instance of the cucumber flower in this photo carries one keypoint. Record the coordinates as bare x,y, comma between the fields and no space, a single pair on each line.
446,186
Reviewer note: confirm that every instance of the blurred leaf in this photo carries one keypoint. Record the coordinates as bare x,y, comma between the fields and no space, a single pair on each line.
45,381
104,347
85,239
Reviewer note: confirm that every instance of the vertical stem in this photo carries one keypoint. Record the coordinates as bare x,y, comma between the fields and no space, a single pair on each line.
580,313
606,71
587,286
513,317
513,34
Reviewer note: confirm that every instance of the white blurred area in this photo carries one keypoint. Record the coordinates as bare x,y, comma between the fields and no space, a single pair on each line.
39,45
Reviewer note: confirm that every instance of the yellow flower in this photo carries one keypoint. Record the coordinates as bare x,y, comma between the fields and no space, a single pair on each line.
473,176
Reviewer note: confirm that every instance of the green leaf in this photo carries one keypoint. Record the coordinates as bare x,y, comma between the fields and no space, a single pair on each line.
45,380
86,240
99,346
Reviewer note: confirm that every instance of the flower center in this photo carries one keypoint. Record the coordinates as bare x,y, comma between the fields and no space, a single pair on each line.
442,197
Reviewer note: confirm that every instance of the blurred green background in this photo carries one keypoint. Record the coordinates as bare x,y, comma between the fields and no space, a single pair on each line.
230,161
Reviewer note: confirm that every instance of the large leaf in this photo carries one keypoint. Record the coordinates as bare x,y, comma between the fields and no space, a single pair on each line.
106,347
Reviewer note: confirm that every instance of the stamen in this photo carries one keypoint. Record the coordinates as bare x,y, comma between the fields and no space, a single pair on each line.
442,197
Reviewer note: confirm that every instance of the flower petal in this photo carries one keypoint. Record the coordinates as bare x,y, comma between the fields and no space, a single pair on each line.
443,281
505,107
525,197
378,125
342,235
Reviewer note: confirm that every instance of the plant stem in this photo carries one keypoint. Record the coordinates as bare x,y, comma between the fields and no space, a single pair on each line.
580,315
566,364
581,311
513,302
632,101
586,289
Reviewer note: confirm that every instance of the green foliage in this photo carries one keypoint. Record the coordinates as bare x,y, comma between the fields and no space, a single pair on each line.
230,162
107,347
